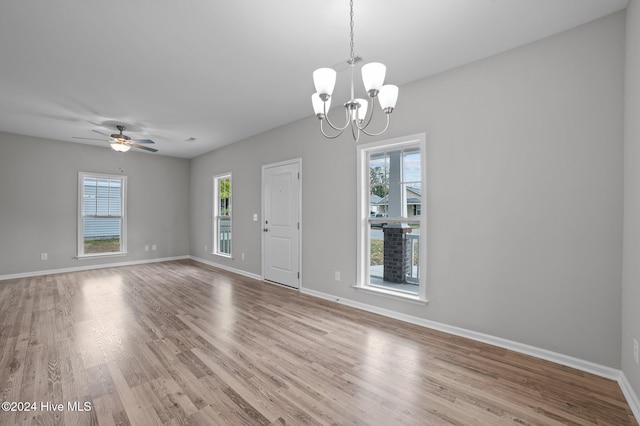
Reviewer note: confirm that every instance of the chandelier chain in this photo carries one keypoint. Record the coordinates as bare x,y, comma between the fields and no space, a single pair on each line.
352,57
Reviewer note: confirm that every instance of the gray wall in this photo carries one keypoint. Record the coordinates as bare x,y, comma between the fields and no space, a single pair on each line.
631,265
38,202
525,155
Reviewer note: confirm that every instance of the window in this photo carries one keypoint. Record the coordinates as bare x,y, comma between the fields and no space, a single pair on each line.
222,215
101,214
391,226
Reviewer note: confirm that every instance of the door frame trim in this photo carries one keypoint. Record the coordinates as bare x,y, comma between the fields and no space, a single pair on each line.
297,161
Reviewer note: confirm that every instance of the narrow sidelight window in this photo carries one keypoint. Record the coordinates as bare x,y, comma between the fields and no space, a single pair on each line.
222,215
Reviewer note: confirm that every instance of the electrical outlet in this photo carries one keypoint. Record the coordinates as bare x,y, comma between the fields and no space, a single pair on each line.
337,275
635,350
153,247
205,248
146,247
242,256
44,256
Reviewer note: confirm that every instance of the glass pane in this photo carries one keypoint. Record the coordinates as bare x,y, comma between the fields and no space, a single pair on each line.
89,186
224,194
115,195
103,188
102,206
412,166
102,197
102,235
413,199
89,206
394,256
224,235
115,187
396,177
378,201
89,196
378,169
115,206
376,253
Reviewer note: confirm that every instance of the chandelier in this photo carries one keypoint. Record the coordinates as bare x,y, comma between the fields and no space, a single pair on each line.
324,80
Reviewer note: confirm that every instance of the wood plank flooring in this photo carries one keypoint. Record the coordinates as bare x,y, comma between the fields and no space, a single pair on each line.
179,343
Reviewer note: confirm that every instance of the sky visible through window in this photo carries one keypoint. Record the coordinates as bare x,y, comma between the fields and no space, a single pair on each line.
411,164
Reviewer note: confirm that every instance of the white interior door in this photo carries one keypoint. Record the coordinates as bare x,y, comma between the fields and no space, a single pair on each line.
281,223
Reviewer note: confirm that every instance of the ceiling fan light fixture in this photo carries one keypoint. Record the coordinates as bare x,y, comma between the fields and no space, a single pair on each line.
120,147
123,143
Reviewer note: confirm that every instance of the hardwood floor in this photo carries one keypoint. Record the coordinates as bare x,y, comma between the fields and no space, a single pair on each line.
179,343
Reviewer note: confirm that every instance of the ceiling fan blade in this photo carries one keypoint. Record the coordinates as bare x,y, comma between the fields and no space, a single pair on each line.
143,141
101,133
88,139
146,148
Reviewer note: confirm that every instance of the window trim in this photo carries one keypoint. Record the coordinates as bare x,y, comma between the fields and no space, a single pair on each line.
215,245
363,216
123,216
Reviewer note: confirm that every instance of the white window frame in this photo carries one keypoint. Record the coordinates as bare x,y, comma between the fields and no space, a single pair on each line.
217,216
364,219
123,215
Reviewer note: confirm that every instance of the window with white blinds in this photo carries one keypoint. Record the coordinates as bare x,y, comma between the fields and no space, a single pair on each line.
101,214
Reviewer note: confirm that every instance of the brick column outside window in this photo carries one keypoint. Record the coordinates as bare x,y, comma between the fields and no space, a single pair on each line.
397,252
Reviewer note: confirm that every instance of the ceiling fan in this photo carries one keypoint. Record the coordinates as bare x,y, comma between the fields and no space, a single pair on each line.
121,142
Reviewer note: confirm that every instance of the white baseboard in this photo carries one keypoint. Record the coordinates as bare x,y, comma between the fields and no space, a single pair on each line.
88,267
227,268
632,397
558,358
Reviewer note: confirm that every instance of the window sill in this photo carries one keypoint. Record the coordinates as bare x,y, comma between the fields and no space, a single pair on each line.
392,295
228,256
99,255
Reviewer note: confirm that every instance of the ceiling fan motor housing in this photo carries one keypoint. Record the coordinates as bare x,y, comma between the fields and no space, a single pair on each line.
120,136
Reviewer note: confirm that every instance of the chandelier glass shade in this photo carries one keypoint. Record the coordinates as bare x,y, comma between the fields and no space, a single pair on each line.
356,109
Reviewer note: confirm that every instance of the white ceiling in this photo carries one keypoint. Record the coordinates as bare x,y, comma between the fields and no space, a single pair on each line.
223,71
